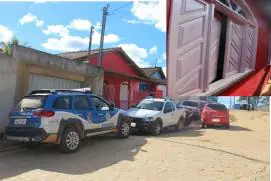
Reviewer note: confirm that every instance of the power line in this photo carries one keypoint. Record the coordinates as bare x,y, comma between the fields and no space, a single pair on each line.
117,9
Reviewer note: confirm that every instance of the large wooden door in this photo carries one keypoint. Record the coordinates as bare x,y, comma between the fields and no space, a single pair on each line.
233,51
187,46
249,50
215,42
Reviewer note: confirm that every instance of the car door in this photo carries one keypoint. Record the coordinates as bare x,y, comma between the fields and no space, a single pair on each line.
168,114
83,108
175,115
102,112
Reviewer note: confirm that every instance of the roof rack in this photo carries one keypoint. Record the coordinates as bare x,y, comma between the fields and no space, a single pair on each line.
54,91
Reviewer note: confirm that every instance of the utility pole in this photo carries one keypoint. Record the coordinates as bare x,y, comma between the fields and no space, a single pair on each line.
105,13
155,62
90,41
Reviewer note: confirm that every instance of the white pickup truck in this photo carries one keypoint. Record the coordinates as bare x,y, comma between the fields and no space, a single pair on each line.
153,114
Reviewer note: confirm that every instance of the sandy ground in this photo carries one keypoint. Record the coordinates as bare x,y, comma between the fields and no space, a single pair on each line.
214,154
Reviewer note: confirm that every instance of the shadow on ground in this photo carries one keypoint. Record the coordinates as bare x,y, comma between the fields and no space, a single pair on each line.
95,153
232,128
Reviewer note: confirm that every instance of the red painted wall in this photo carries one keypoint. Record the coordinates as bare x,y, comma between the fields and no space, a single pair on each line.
113,61
254,83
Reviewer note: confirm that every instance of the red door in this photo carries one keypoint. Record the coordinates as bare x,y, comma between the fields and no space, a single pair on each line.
233,51
187,46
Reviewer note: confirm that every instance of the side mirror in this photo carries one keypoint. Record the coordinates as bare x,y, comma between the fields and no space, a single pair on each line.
133,106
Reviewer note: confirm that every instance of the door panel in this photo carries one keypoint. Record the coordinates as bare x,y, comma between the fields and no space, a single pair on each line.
215,42
233,51
248,58
187,46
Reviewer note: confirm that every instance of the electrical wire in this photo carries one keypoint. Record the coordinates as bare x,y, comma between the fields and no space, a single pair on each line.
117,9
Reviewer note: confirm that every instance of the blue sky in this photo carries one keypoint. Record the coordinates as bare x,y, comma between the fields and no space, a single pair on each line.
54,27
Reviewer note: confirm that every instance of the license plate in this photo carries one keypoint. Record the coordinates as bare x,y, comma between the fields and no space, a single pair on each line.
20,121
133,124
216,120
15,138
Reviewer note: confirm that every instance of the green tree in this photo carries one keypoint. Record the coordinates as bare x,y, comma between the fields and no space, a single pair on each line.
7,46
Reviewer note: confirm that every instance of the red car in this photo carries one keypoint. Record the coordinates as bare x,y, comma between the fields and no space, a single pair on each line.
214,114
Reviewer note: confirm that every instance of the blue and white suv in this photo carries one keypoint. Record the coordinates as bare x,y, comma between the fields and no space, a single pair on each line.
64,117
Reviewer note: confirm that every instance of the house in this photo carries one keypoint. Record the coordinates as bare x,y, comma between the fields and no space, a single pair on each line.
29,69
125,84
218,47
157,73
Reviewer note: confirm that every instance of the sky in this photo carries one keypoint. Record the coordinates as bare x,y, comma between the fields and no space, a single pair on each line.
55,27
228,100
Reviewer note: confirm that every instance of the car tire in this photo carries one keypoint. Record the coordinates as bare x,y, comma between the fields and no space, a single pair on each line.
156,128
70,140
203,125
124,129
180,125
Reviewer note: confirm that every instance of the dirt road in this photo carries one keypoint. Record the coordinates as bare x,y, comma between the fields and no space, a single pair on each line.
241,153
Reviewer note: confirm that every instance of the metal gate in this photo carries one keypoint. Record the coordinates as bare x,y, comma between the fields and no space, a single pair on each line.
46,82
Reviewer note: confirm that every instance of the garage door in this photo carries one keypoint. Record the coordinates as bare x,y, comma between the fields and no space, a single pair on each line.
215,41
233,49
187,42
46,82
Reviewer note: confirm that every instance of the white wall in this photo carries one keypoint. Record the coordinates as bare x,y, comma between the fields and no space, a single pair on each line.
8,77
163,88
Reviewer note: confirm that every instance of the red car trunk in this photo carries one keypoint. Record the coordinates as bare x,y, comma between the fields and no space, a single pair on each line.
215,114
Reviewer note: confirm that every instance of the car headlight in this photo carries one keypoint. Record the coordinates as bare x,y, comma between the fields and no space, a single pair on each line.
148,119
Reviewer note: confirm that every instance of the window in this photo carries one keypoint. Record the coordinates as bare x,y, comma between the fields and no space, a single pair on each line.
32,102
62,103
143,86
82,103
100,104
190,103
168,108
150,105
218,107
173,107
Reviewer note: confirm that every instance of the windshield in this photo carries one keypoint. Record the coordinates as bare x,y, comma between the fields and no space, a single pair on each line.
190,103
150,105
31,102
218,107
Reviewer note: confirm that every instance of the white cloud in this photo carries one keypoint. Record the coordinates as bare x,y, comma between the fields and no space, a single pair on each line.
30,18
153,50
74,43
5,33
66,43
39,23
165,70
151,13
136,53
164,56
56,29
98,26
137,22
80,24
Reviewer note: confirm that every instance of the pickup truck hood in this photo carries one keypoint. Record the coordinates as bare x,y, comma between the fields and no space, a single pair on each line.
141,113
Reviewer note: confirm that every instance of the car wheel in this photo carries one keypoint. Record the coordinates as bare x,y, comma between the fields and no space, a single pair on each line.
156,129
203,125
180,125
70,140
124,130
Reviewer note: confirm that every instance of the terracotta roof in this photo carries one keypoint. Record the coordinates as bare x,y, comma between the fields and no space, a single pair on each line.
150,71
81,56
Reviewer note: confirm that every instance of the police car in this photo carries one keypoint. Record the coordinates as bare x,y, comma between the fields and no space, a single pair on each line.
64,117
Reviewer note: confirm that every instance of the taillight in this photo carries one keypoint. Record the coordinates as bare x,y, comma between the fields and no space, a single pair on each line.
44,113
